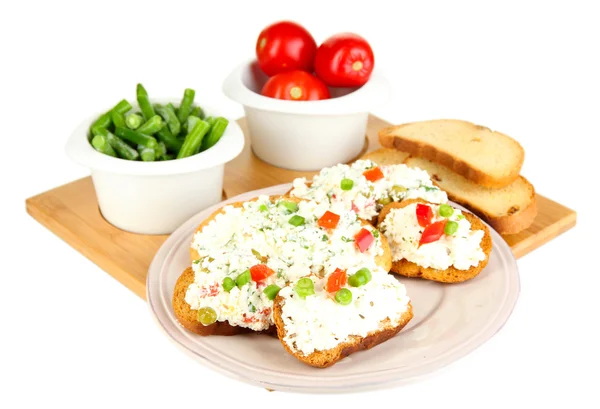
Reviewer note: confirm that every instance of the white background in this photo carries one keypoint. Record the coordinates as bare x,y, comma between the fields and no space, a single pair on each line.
73,336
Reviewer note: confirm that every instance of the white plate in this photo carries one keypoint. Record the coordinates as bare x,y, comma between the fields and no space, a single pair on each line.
450,321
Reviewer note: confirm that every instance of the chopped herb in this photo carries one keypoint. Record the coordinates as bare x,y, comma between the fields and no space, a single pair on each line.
346,239
429,188
375,233
460,216
263,208
196,261
252,308
280,273
324,238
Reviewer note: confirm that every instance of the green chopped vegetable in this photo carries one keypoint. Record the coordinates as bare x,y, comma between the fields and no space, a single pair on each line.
361,277
117,118
297,220
450,228
217,129
193,140
243,279
133,121
290,207
346,184
136,137
144,102
271,291
263,208
228,284
122,107
169,117
446,210
152,126
147,154
304,287
100,143
207,316
185,108
343,296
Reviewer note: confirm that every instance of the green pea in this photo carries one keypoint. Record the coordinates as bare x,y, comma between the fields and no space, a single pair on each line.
243,279
451,228
289,207
343,296
228,284
207,316
297,220
347,184
271,291
446,210
384,200
361,277
305,287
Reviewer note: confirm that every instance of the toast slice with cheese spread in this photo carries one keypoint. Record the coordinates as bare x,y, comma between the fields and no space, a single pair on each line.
319,331
486,157
456,255
509,210
245,252
364,187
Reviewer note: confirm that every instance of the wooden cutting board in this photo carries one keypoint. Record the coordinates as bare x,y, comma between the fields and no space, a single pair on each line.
71,212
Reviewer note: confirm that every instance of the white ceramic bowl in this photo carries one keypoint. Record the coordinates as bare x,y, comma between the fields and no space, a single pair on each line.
155,197
305,135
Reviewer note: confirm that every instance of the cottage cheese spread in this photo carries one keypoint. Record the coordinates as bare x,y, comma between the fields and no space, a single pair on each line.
260,233
318,322
367,198
461,250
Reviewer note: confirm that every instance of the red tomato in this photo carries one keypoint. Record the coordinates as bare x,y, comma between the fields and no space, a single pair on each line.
344,60
285,46
329,220
433,232
373,174
336,280
295,86
260,271
424,214
363,239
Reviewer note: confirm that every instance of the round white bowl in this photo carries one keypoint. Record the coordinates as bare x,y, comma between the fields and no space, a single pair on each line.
155,197
305,135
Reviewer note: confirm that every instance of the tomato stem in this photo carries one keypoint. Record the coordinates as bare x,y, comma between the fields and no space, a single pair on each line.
357,65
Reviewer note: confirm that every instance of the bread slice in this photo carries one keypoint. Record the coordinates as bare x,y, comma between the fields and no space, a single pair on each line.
386,156
326,358
451,274
486,157
187,317
508,210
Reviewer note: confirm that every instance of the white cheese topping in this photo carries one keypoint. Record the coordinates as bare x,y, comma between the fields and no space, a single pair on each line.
318,322
245,236
461,250
367,198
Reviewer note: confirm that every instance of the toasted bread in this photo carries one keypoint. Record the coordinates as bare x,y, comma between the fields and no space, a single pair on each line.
486,157
187,317
508,210
451,274
326,358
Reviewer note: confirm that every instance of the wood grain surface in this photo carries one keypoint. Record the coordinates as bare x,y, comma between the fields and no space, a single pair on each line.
71,212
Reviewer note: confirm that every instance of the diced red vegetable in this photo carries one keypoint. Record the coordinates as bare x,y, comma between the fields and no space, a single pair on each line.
336,280
260,271
424,214
363,239
329,220
373,174
433,232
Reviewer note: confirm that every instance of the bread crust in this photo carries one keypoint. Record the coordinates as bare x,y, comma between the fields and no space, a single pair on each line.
451,274
327,358
187,317
389,138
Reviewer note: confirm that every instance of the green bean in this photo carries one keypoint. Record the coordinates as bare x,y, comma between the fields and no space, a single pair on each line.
304,287
185,108
122,149
144,102
172,108
169,117
152,126
168,156
136,137
170,141
117,118
133,121
161,150
103,121
216,132
446,210
147,154
100,143
343,296
193,140
190,124
210,120
122,107
197,111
